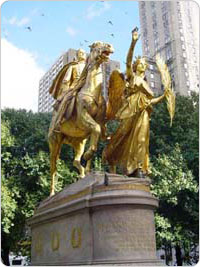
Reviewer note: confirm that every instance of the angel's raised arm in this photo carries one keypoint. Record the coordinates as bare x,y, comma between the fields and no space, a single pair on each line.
129,59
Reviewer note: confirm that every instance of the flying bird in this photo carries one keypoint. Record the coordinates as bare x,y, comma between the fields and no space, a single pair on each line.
86,41
42,14
29,28
112,35
110,22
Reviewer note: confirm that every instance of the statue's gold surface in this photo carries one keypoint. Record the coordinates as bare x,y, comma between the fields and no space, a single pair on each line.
129,145
68,76
81,112
166,80
76,237
65,81
55,241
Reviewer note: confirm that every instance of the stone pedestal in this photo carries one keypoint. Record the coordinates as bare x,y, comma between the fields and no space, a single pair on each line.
97,220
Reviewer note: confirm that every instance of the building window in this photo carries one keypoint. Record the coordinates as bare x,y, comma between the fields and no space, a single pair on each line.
152,84
165,24
151,67
164,6
154,18
167,39
155,33
154,25
165,16
152,76
156,47
168,53
183,47
170,67
145,31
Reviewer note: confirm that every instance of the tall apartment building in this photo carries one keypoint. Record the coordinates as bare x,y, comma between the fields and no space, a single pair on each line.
171,29
107,68
45,100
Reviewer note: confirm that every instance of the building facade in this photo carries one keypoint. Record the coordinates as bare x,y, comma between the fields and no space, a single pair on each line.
107,68
45,100
171,29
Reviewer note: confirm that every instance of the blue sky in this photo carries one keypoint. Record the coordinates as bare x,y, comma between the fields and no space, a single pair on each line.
57,26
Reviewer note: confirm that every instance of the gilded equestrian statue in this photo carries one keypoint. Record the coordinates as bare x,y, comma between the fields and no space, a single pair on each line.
81,113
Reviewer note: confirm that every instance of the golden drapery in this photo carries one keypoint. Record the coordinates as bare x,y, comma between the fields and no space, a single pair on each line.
129,146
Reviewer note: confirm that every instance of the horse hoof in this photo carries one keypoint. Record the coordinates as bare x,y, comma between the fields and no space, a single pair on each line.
52,193
87,171
77,164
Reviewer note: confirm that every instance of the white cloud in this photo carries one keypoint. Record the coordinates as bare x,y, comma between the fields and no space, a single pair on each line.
95,11
12,20
23,21
71,31
20,77
18,22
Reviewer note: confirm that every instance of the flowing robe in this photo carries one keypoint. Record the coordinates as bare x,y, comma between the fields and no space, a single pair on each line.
129,145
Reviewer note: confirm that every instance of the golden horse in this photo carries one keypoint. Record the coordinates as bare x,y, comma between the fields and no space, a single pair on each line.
86,117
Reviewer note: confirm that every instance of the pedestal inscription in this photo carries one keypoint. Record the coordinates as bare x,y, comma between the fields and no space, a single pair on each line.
129,233
91,223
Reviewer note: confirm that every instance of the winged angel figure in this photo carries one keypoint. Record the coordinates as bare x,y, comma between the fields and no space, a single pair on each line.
130,101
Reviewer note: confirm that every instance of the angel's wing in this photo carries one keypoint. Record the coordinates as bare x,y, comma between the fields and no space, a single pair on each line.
166,81
115,93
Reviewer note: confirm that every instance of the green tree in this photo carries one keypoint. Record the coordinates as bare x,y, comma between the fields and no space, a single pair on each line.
184,130
25,175
175,159
176,188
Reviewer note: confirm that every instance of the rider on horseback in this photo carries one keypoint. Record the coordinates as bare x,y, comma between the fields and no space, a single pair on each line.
64,82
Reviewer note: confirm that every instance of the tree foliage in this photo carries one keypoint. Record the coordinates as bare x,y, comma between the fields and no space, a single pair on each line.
184,130
175,160
25,174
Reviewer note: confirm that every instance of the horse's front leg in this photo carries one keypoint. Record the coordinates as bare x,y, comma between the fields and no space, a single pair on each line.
87,110
79,150
88,166
95,129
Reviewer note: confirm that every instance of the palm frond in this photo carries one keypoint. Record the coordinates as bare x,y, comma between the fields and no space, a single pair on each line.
166,81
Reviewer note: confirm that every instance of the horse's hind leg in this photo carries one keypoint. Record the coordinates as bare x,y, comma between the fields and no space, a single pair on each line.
55,143
79,150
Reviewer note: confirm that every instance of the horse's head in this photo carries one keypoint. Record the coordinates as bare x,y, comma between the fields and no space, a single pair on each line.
100,51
